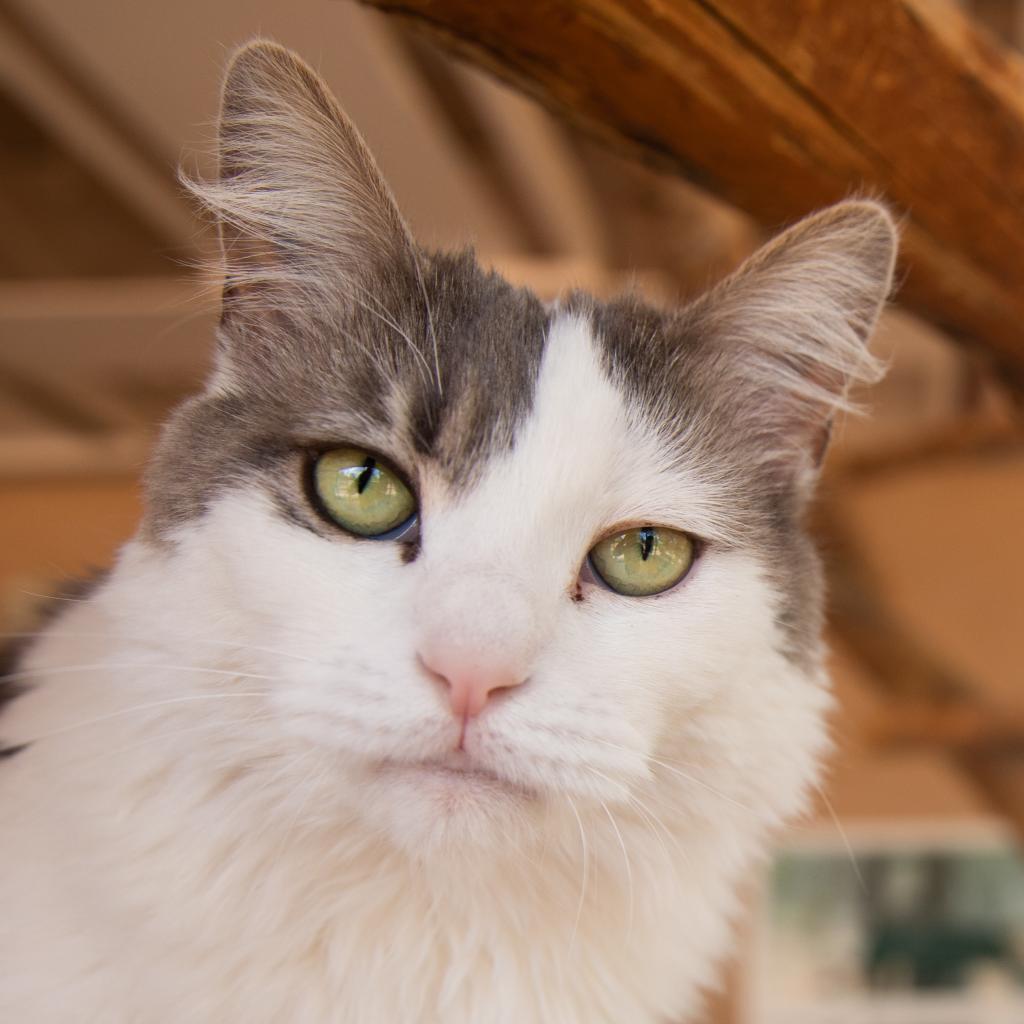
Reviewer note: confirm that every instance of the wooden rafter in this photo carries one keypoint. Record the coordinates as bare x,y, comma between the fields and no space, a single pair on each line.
781,108
998,776
927,704
858,616
85,191
968,437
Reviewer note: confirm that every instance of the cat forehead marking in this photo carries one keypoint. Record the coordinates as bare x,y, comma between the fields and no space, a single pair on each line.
489,340
582,460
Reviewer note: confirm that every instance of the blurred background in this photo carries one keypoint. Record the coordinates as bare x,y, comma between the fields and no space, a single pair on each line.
902,898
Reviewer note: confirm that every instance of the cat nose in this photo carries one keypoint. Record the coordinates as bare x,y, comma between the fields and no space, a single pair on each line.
471,684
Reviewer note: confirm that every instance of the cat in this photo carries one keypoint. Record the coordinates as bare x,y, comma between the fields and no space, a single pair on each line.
469,652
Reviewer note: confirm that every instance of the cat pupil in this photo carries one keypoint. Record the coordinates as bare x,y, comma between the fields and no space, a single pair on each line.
369,467
646,542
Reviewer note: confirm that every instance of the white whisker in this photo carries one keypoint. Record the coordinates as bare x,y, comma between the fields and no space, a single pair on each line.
584,873
629,868
55,670
844,837
54,597
430,321
652,820
97,634
389,321
195,727
137,708
701,783
683,775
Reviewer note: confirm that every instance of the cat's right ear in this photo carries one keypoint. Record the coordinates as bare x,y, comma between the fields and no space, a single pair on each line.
307,222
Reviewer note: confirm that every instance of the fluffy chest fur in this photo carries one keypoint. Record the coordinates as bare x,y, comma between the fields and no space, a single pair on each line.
158,867
279,767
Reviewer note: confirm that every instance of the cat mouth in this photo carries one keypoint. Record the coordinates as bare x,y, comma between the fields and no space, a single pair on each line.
457,770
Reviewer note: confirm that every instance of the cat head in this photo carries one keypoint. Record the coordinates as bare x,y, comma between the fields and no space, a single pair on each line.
491,554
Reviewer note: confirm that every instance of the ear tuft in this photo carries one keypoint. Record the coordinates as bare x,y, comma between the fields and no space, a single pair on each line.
794,321
306,218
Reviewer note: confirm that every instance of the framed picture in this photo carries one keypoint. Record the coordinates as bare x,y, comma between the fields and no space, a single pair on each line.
890,925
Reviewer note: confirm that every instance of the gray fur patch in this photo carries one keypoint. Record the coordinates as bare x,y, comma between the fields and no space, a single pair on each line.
685,384
363,382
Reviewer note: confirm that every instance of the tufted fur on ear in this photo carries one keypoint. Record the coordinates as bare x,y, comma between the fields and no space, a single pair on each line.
793,325
309,228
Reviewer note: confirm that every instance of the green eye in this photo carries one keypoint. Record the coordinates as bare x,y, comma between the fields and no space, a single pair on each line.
361,492
643,561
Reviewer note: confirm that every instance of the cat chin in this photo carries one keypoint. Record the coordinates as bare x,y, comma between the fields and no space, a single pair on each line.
433,809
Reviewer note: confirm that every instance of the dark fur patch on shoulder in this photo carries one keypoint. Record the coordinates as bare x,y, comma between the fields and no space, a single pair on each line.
10,658
12,652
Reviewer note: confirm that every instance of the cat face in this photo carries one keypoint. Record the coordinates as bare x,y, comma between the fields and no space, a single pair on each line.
591,580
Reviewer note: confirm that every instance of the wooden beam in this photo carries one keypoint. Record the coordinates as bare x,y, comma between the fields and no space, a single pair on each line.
91,162
927,704
784,107
1003,18
969,437
90,360
451,89
998,777
109,298
955,727
55,456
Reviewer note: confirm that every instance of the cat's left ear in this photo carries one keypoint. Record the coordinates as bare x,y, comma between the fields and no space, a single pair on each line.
791,327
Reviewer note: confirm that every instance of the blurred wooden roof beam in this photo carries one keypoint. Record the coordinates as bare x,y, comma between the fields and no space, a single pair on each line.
103,156
781,108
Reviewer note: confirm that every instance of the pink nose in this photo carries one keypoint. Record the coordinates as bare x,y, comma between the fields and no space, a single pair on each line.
470,684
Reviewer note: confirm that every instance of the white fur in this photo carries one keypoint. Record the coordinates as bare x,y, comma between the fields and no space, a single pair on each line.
186,842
